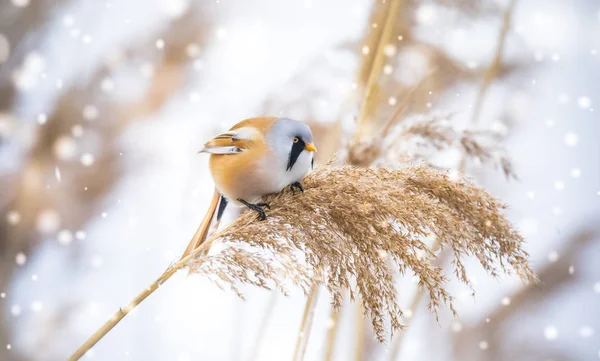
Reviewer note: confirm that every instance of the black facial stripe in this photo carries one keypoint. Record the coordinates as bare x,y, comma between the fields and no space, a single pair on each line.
297,148
222,206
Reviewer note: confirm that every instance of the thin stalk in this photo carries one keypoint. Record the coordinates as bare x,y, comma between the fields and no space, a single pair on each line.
331,334
122,312
306,325
258,341
377,66
488,77
494,66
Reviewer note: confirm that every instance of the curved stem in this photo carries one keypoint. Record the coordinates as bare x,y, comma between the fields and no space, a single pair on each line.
306,325
122,312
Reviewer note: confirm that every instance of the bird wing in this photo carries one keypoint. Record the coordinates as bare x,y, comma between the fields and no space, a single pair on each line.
232,142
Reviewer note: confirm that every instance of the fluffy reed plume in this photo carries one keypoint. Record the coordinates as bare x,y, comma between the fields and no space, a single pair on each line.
350,221
436,131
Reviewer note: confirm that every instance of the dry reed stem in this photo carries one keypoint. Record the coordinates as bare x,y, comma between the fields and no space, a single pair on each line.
494,66
376,67
331,334
306,325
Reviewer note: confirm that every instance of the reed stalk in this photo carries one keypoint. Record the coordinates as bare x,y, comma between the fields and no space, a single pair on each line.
306,325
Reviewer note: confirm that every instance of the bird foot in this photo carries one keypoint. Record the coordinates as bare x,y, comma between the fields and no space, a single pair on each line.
258,208
298,186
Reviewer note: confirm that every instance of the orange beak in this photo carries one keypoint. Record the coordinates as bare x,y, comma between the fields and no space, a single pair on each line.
310,147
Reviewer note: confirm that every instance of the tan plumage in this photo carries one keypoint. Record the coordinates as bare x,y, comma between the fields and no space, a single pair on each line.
249,161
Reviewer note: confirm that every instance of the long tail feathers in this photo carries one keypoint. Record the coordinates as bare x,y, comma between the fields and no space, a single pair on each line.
202,232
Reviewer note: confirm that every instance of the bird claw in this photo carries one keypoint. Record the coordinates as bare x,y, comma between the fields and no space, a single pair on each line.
258,208
297,185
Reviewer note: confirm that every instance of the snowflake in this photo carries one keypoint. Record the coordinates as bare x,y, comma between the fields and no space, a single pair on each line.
15,310
65,147
160,44
65,237
550,333
483,345
42,118
571,139
559,185
87,159
20,258
575,172
584,102
90,112
586,331
13,217
36,306
553,256
47,221
20,3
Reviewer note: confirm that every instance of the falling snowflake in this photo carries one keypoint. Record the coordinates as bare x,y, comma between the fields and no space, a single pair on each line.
42,118
392,101
571,139
77,130
192,50
575,172
15,310
65,147
559,185
553,256
586,331
48,221
80,235
550,333
13,217
584,102
20,3
36,306
389,50
365,50
57,174
506,301
87,159
107,85
483,345
160,44
456,326
64,237
90,112
20,258
571,269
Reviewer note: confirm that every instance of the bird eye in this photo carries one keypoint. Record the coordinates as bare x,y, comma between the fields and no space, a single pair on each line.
295,140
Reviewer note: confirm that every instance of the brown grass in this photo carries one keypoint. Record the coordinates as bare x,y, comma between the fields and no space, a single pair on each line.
347,224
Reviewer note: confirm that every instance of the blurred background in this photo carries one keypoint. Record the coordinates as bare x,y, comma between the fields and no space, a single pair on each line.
104,105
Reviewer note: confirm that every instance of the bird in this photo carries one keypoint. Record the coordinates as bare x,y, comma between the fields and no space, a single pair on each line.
256,157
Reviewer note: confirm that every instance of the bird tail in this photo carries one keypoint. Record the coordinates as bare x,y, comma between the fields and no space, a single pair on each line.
202,232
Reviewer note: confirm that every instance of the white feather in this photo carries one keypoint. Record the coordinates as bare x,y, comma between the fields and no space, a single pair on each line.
222,150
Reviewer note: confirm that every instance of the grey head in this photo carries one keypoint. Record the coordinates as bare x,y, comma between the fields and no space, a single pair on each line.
290,139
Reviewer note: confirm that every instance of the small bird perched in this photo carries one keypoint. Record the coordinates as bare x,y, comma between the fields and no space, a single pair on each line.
257,156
